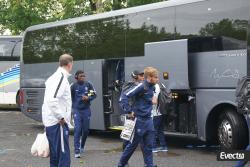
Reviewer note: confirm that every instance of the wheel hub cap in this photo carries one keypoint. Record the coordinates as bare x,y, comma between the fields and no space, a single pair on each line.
225,134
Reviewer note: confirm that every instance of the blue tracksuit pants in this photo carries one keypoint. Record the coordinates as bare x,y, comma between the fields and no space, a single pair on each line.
57,157
81,130
243,163
159,125
144,134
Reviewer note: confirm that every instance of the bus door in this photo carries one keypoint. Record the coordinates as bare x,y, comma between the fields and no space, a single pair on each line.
93,70
113,78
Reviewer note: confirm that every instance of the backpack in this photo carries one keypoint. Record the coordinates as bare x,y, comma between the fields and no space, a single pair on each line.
243,95
127,86
164,100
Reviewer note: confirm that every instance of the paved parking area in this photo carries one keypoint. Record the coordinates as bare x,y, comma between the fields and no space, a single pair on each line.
17,133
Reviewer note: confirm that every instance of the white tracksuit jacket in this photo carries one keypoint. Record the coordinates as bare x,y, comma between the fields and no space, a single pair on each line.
57,98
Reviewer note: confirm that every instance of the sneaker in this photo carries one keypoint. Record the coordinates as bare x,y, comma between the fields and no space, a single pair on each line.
81,151
77,155
164,149
155,150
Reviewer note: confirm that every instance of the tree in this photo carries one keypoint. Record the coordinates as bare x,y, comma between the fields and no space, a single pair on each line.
229,28
17,15
132,3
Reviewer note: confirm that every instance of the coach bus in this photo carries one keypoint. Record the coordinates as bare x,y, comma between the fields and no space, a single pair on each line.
199,47
10,49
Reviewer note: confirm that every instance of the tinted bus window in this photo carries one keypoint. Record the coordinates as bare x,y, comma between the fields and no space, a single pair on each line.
39,46
106,38
148,26
10,49
211,26
67,40
115,37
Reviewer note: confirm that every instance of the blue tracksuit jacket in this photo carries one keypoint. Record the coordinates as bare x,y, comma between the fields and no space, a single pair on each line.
82,89
143,94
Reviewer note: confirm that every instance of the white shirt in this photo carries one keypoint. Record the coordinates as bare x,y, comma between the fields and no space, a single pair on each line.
57,101
155,110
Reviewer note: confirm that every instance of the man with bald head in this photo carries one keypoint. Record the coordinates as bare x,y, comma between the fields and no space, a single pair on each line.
56,112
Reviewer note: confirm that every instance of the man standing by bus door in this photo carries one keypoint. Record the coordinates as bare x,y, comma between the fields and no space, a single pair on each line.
82,93
242,163
144,128
158,122
56,112
138,77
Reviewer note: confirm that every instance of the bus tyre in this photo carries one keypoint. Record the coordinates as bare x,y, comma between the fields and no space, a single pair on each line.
232,130
18,100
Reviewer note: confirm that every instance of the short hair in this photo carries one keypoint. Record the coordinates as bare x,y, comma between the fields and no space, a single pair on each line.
78,73
65,59
150,71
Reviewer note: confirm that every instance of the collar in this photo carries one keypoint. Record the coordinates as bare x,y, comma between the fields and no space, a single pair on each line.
65,73
147,83
80,83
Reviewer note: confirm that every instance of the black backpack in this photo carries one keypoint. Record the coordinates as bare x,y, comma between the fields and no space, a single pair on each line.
243,95
164,100
127,86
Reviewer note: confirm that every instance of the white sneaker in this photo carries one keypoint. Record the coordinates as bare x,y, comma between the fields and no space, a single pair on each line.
77,155
155,150
164,149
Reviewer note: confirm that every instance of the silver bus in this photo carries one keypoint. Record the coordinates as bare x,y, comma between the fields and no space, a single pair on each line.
199,47
10,49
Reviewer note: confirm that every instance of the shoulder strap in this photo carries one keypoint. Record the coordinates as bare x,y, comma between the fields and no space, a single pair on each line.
58,86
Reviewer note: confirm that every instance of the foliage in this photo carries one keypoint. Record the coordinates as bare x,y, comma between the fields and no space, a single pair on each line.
17,15
132,3
230,28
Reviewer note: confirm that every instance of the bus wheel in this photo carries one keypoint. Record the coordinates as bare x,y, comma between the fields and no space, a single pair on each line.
232,130
18,100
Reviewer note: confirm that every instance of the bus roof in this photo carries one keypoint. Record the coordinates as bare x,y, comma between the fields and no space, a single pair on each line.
112,13
10,36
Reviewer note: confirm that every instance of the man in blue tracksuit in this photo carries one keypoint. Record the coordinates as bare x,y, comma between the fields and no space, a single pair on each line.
243,163
144,128
82,93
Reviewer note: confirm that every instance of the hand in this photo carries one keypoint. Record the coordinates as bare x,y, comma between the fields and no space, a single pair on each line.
131,115
85,98
154,100
62,122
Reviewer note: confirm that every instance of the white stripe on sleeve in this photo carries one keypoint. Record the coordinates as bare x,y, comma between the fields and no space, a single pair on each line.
133,89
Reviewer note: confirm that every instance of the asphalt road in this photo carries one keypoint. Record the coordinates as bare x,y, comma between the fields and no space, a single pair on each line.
103,149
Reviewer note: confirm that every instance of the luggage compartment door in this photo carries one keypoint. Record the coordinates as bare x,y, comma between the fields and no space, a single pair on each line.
170,57
93,70
248,49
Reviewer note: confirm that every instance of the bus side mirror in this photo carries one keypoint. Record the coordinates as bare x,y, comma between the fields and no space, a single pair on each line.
165,75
